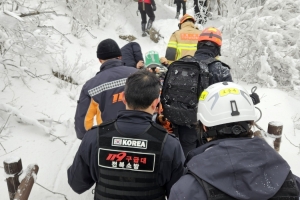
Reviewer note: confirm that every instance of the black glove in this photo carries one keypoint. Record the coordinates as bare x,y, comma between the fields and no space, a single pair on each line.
154,7
255,98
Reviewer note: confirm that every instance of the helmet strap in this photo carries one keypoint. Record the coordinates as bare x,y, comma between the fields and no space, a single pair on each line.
222,130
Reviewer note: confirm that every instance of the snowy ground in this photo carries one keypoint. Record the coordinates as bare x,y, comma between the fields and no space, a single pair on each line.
45,99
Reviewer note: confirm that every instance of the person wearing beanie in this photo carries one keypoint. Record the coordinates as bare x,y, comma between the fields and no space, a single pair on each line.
101,96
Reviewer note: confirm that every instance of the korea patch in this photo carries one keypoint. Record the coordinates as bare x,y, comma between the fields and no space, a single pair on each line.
129,142
126,160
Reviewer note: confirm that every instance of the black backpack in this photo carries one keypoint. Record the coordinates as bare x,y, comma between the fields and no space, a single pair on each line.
185,80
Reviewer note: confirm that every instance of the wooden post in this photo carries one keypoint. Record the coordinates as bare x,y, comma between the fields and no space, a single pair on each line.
275,128
12,168
27,183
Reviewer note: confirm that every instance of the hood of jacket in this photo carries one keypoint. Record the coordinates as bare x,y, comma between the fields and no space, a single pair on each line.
244,168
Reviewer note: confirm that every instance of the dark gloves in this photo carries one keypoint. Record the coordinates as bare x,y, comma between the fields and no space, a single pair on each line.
154,7
255,98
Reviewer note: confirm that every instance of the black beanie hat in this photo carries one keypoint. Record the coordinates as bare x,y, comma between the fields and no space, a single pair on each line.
108,49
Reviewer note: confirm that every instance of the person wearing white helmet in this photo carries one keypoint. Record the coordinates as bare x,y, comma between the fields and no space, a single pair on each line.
233,164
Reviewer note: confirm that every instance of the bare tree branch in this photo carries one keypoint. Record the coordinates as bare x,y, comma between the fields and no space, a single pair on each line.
51,27
36,13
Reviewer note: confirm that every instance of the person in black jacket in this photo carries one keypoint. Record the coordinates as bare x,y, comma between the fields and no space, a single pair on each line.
147,7
130,157
132,55
233,164
178,5
208,49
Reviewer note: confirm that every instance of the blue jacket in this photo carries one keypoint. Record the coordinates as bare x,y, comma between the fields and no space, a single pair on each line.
243,168
131,54
101,96
83,173
220,72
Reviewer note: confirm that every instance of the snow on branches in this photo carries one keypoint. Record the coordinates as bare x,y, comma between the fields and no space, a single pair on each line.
264,41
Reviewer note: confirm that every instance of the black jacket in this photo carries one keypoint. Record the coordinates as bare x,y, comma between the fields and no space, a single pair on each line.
220,73
83,173
131,54
243,168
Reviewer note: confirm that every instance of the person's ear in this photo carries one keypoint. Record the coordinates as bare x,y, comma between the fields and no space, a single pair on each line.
204,128
155,102
101,61
123,98
120,57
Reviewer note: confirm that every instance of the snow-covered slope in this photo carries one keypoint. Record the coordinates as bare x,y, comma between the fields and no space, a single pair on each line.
33,108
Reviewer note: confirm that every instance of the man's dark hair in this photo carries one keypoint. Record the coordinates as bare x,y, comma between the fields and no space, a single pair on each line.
141,89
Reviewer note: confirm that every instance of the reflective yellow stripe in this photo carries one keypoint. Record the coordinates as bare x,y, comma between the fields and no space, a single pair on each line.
186,45
172,44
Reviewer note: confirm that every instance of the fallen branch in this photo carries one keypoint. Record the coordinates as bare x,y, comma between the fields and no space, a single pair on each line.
291,142
10,151
57,137
36,13
5,124
23,118
51,191
3,147
14,15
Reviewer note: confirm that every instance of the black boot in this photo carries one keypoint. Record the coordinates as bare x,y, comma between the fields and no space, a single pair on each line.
177,15
149,25
144,29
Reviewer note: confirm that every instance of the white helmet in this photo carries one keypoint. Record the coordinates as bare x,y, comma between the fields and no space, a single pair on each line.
223,103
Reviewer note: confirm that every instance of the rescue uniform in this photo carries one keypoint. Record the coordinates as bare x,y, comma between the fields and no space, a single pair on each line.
236,168
101,96
132,158
183,42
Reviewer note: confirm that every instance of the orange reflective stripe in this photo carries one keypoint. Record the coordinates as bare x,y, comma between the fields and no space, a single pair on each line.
189,36
90,114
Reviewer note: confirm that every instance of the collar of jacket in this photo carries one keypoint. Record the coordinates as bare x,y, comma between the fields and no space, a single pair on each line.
110,64
188,24
204,53
134,116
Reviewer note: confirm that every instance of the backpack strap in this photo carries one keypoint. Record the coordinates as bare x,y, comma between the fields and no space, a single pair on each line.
211,60
212,193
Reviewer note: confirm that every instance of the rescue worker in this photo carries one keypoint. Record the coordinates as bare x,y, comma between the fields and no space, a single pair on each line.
208,48
132,55
183,41
178,7
147,7
130,157
233,164
100,96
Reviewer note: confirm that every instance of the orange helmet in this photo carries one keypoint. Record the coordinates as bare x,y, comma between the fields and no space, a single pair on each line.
186,17
211,34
